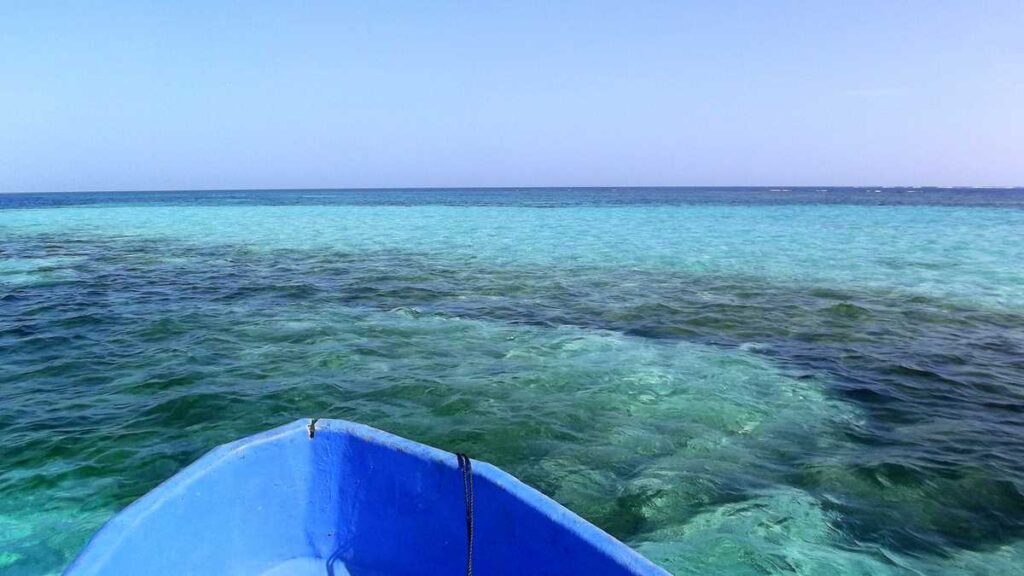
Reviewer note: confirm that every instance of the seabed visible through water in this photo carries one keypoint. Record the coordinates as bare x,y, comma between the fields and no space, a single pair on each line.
733,382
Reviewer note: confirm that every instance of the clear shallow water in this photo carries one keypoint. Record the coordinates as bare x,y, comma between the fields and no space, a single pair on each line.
732,381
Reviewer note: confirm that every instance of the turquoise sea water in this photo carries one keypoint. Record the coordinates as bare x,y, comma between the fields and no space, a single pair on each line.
732,381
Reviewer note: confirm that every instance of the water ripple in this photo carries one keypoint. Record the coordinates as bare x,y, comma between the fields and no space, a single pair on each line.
719,421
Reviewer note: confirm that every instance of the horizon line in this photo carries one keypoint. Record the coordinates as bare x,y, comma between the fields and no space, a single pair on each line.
775,187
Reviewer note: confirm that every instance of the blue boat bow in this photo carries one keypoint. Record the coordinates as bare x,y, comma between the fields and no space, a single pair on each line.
342,498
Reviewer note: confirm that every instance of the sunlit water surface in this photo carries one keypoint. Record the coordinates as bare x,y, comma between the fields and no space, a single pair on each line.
734,382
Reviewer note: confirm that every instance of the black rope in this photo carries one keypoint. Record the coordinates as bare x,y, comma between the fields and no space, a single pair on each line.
466,467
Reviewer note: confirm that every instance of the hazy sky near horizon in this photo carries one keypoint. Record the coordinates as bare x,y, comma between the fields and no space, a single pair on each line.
189,94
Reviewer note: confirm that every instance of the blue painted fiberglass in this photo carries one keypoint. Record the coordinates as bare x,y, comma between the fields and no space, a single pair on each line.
351,500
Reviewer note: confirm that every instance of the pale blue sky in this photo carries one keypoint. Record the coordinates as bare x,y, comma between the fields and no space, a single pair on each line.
167,95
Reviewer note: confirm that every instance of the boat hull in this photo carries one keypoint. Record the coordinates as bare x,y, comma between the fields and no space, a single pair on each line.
350,500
